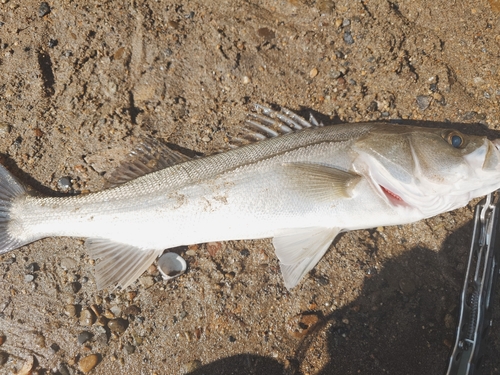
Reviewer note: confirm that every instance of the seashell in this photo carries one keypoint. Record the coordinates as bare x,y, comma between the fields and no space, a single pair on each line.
171,265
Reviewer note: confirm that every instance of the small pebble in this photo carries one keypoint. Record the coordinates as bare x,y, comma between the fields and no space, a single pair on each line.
132,310
129,348
102,339
32,267
323,280
246,80
152,269
87,318
52,43
43,9
326,6
348,39
70,310
138,339
147,281
192,366
266,33
4,127
232,339
2,339
63,369
300,325
29,278
54,348
27,367
68,263
76,286
335,73
117,325
118,53
4,357
423,102
64,184
88,363
116,310
245,253
102,321
131,295
40,340
313,73
83,337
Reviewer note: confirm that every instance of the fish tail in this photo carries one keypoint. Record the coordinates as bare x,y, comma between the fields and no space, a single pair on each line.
10,189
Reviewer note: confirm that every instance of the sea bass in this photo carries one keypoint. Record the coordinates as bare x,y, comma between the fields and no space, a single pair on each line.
301,188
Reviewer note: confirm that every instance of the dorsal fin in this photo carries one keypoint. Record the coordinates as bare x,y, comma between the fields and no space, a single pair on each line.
267,123
149,156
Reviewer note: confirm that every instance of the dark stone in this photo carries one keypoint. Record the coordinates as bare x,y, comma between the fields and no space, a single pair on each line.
118,325
43,9
83,337
348,39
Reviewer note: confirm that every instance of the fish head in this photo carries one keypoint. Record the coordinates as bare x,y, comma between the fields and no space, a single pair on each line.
433,170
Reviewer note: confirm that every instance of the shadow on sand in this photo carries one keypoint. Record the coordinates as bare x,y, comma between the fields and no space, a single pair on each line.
403,322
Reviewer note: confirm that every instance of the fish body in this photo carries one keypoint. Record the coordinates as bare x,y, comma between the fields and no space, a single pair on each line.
300,188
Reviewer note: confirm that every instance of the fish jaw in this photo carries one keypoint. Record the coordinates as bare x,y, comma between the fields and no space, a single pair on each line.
477,175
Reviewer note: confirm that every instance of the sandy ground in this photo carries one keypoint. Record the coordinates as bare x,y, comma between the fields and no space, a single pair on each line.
80,82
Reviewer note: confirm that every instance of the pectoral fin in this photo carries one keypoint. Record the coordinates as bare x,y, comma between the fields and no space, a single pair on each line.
120,264
321,181
299,250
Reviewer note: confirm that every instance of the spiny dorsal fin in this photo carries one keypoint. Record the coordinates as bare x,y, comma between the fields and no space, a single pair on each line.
120,264
266,123
149,156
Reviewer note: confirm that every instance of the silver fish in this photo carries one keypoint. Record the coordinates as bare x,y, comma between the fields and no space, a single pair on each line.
301,188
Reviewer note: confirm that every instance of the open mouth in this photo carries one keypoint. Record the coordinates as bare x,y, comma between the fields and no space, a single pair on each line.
393,197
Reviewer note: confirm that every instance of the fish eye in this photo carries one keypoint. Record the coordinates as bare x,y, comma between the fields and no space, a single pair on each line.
455,140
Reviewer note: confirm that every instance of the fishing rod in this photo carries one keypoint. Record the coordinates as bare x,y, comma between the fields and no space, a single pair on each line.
476,297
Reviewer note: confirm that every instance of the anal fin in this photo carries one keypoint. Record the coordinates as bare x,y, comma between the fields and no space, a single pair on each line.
120,264
299,250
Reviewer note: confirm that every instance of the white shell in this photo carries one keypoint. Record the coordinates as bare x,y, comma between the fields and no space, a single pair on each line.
171,265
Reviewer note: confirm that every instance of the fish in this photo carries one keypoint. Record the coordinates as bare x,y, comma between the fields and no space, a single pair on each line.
300,184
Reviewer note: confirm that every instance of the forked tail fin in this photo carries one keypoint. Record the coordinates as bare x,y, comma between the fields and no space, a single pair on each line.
10,189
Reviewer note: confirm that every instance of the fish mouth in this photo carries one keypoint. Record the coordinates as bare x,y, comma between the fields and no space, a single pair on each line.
392,196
